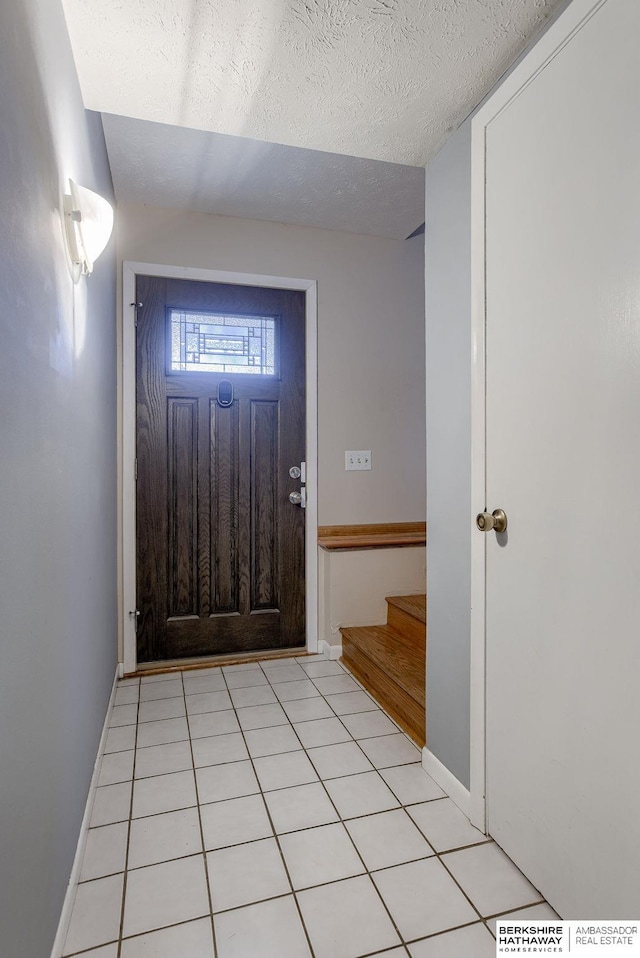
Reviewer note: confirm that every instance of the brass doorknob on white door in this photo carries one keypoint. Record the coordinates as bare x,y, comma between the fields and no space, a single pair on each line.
486,521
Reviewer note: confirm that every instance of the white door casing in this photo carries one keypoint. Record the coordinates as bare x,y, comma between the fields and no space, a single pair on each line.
556,600
128,532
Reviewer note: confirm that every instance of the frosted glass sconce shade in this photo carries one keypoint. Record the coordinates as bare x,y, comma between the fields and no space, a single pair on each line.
89,222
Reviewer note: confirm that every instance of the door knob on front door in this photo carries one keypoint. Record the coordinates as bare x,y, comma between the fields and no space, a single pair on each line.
486,521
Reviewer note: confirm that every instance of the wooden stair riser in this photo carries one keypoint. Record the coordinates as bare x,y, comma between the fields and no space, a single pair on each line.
414,605
411,630
405,667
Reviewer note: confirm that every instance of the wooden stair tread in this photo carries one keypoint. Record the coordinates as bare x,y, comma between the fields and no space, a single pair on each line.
375,535
413,605
380,540
405,666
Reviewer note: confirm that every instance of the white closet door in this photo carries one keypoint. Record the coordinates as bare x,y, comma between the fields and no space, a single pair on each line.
563,461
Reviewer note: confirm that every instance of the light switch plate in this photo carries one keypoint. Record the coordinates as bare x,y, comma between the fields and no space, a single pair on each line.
357,459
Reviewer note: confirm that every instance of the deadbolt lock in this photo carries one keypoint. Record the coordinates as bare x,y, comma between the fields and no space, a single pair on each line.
486,521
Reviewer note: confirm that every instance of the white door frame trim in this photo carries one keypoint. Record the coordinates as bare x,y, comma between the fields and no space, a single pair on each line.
560,32
309,286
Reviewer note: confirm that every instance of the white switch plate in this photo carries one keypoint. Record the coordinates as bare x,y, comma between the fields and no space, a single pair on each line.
357,459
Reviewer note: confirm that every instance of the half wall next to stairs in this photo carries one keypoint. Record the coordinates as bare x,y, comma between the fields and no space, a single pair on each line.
354,579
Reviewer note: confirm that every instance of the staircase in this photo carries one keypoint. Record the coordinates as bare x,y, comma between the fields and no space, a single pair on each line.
390,661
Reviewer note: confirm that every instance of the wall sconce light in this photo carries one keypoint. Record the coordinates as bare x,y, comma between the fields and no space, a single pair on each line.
88,220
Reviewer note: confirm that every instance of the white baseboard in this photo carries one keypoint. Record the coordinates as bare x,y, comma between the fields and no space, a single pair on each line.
69,898
447,781
330,651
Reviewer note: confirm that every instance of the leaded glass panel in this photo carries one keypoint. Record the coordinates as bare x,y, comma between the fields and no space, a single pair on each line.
220,343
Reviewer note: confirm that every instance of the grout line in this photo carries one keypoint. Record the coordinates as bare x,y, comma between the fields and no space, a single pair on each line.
90,951
204,851
126,857
439,934
250,904
139,934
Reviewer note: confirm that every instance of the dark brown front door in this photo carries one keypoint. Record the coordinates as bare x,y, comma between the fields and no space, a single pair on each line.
220,421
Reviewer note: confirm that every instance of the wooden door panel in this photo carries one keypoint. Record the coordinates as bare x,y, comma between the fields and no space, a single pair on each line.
225,501
220,547
221,634
182,490
263,495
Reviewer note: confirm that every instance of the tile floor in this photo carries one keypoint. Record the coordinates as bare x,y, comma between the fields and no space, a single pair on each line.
274,811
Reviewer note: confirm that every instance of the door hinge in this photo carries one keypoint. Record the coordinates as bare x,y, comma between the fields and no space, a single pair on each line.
136,307
135,469
135,615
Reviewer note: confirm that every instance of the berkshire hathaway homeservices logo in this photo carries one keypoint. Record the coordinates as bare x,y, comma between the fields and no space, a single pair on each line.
536,937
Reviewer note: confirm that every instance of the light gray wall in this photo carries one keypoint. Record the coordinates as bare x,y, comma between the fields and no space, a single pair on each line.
57,477
448,347
449,513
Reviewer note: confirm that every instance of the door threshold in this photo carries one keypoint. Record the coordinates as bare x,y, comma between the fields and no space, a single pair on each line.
206,662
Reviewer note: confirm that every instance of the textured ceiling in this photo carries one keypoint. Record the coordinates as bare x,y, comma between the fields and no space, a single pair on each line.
171,166
383,79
